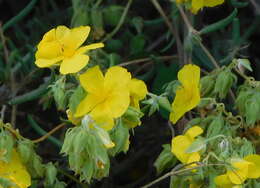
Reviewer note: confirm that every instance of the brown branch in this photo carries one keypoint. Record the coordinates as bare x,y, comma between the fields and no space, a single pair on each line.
49,133
136,61
173,30
12,78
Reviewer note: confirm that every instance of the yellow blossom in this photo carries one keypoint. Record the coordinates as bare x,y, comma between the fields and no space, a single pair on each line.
196,5
62,46
182,142
108,96
244,169
15,171
188,94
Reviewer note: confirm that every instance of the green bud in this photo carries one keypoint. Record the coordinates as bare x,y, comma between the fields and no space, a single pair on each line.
119,135
215,127
225,80
164,103
252,110
25,149
37,165
58,90
165,160
50,174
6,145
207,85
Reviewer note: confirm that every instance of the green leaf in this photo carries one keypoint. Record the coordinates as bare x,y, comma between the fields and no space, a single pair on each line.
112,14
165,160
137,44
50,173
76,98
197,145
245,63
219,25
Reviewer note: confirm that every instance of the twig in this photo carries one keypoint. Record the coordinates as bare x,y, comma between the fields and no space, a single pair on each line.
49,133
190,27
120,23
12,78
136,61
175,172
212,59
257,7
173,30
3,113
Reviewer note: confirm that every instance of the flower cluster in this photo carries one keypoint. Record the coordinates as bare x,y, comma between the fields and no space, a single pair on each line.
109,95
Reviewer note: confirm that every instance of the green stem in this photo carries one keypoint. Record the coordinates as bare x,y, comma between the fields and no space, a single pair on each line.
20,16
120,23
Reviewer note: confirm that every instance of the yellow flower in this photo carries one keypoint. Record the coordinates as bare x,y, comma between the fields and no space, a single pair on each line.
246,168
62,46
15,171
182,142
108,96
188,95
196,5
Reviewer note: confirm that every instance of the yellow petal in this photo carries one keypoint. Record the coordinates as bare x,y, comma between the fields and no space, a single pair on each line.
62,32
116,77
74,64
196,5
101,115
49,50
193,132
254,169
92,80
240,173
188,95
213,3
223,181
75,37
86,48
118,102
87,104
47,62
138,89
189,76
179,145
48,37
194,157
15,171
185,100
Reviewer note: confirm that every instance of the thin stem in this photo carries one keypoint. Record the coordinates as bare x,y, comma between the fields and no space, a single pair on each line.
12,78
173,30
136,61
49,133
191,28
212,59
120,23
174,172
